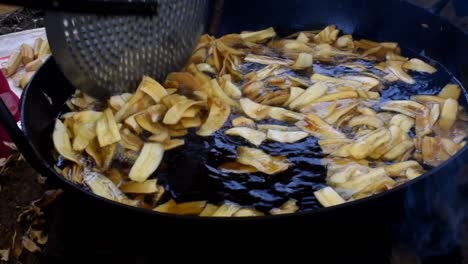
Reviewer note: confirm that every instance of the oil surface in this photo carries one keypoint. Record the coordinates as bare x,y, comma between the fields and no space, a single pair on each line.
191,172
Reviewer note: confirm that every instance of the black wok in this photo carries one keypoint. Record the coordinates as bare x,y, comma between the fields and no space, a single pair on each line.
364,227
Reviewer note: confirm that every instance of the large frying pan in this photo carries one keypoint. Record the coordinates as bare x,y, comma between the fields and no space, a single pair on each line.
381,218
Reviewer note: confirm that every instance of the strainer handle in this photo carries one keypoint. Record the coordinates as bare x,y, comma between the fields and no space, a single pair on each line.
114,7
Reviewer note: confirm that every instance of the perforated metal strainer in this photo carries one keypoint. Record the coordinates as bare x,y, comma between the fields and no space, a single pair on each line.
109,54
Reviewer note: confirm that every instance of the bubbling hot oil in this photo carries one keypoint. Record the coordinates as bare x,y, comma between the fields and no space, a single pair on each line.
191,172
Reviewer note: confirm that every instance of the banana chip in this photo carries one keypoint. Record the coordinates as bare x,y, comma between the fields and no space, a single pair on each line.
403,121
148,186
209,210
185,79
225,210
362,120
246,212
253,136
309,95
318,128
147,162
328,197
262,161
130,140
242,121
107,130
218,92
152,88
84,128
254,110
286,136
450,91
191,122
187,208
172,143
366,144
448,114
219,113
62,142
406,107
336,96
395,67
258,36
102,186
418,65
288,207
304,60
175,113
339,113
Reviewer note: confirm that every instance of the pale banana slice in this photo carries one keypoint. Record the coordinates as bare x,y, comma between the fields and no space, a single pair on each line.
395,67
360,182
152,88
365,145
309,95
258,36
406,107
216,91
330,145
246,212
398,150
336,96
219,113
418,65
172,143
175,113
187,208
318,128
147,162
148,186
328,197
288,207
209,210
450,91
449,146
367,82
107,130
225,210
102,186
254,110
304,60
62,142
338,113
403,121
425,99
399,169
243,121
294,93
262,161
286,136
266,127
448,114
434,114
253,136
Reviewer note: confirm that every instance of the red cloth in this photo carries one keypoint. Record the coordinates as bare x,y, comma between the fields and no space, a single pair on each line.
12,102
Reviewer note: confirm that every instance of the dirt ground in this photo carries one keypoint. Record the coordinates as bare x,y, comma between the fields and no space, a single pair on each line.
20,185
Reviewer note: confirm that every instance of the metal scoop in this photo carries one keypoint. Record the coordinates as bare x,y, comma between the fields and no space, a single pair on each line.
105,47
